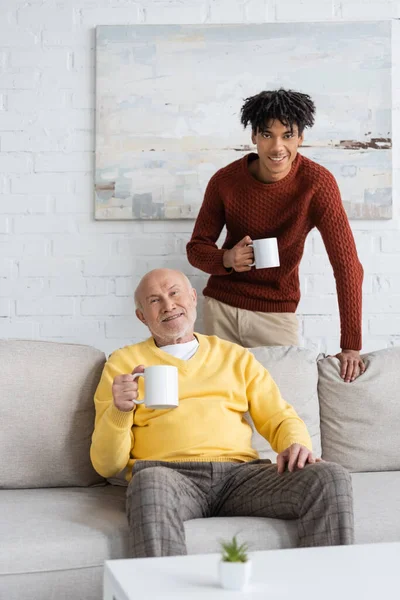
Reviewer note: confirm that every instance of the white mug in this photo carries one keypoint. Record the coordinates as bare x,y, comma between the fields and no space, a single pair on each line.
161,385
266,253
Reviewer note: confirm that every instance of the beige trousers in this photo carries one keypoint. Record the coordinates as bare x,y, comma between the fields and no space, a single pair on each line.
249,328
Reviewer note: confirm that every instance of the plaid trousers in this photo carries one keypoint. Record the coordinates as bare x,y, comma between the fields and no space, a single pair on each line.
161,496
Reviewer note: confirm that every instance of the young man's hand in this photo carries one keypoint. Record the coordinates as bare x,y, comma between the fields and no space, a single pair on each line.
240,257
351,365
295,457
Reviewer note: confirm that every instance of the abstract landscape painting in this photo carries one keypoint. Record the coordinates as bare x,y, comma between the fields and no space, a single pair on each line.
168,102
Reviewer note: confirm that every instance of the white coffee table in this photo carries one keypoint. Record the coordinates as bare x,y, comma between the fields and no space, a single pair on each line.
363,572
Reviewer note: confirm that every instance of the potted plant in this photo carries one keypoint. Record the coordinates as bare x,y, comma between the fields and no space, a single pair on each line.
235,565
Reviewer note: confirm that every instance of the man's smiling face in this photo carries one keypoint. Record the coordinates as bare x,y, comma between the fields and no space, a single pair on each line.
167,305
277,146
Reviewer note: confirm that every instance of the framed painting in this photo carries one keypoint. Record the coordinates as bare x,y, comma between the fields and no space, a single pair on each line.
168,102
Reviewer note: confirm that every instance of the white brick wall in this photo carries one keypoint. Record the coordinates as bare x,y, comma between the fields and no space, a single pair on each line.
64,276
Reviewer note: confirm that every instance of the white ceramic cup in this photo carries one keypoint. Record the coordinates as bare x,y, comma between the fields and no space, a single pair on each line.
266,253
161,387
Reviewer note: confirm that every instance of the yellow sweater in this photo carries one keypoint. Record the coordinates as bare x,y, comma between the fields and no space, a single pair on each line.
216,387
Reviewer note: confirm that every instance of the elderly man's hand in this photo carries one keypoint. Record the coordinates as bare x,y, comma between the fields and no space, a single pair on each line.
296,457
125,390
351,365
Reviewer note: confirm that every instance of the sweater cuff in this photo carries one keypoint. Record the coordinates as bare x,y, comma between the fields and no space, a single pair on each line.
350,342
120,419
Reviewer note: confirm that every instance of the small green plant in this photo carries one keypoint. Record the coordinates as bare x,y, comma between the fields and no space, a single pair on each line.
234,552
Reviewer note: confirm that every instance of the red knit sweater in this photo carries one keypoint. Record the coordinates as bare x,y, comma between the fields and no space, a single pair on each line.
287,209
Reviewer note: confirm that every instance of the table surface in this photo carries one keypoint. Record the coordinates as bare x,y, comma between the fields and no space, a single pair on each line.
362,572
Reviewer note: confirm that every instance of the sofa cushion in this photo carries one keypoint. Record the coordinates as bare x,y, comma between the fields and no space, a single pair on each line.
376,507
295,372
360,421
61,529
46,402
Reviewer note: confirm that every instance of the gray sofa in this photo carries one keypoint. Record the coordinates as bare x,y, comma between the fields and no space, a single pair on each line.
59,520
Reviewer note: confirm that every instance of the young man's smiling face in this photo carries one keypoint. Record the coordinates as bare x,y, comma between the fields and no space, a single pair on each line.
277,146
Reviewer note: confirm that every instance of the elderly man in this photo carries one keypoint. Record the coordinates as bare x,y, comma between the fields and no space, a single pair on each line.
196,460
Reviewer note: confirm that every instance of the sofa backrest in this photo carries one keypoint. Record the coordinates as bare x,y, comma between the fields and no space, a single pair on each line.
295,372
47,413
360,421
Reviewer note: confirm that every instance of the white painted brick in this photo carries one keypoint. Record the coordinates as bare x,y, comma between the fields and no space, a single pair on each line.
148,246
6,266
45,306
16,163
67,328
256,11
44,224
390,242
54,162
179,263
60,16
80,141
15,122
225,11
125,286
18,329
20,204
71,286
100,286
127,327
386,284
39,183
82,99
32,142
371,344
74,204
29,287
313,326
25,102
71,39
14,37
322,305
385,325
367,10
111,267
50,267
107,306
128,15
83,61
19,81
185,226
76,245
304,10
86,224
381,303
19,246
179,13
40,59
5,310
382,263
4,225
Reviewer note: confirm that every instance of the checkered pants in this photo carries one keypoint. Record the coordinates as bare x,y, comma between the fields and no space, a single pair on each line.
163,495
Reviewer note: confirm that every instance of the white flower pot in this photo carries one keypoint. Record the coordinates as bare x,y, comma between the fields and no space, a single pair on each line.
234,575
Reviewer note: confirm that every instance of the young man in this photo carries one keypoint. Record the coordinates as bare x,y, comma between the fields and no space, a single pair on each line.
274,193
196,460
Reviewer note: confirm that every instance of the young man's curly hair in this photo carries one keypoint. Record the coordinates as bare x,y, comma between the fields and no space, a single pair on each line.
289,107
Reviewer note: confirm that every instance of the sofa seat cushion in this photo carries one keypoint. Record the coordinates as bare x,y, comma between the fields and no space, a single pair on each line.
376,506
360,421
203,535
47,405
295,372
44,530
